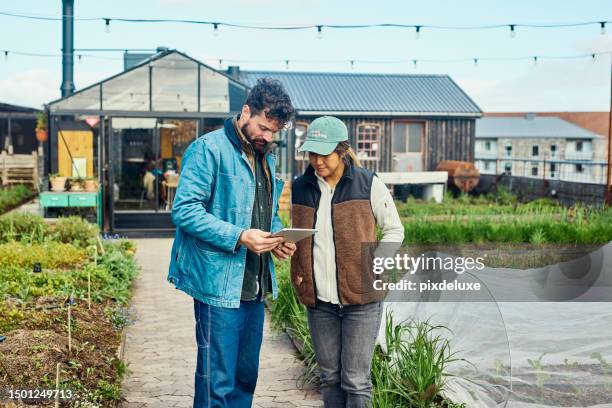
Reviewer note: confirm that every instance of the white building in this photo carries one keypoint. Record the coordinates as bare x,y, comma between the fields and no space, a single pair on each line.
539,147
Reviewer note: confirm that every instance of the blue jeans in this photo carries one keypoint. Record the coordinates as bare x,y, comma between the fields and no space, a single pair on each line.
344,340
229,341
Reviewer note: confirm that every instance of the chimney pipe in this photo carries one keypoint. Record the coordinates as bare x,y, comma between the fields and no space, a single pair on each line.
234,72
67,87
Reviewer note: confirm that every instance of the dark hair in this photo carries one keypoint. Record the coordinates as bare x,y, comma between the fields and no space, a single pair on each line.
269,96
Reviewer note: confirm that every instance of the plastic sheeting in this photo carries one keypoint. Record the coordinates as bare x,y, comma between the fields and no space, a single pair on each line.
523,354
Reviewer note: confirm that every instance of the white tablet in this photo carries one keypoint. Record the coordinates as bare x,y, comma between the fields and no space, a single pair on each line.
294,234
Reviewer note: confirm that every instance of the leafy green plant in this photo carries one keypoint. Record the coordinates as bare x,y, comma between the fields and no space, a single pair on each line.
541,375
413,370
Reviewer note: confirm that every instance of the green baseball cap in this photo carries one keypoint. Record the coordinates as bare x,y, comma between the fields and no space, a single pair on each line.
323,135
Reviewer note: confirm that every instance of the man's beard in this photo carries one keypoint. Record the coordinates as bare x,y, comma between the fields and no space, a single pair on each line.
259,144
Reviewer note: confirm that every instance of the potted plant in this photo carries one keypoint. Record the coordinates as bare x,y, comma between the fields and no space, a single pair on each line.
76,184
91,184
42,132
58,183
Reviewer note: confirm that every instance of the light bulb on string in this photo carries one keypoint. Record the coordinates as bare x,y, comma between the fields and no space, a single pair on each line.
220,63
107,25
319,32
512,31
602,30
6,55
414,63
417,32
216,29
475,62
593,57
535,61
352,65
286,64
80,57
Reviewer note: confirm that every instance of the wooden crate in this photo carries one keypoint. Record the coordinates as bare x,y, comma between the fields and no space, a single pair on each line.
19,169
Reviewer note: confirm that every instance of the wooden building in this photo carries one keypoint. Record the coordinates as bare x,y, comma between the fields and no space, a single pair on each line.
396,122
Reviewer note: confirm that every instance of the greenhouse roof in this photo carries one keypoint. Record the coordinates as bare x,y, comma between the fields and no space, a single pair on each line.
168,81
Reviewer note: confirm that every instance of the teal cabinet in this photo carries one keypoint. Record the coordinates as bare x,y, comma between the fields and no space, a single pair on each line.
54,199
82,200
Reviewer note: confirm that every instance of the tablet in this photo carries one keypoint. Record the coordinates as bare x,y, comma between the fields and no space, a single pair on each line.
294,234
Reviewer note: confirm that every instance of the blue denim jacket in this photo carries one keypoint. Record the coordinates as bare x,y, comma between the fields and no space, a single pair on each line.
213,205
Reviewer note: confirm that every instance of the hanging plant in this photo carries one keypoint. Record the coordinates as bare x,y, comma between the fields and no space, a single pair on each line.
42,128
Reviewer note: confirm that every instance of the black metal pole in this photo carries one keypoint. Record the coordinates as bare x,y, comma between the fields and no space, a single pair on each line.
67,87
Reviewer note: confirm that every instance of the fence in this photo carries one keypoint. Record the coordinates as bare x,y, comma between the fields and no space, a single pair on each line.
570,180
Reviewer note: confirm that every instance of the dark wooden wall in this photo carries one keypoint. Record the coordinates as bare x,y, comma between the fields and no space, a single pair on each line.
449,139
445,139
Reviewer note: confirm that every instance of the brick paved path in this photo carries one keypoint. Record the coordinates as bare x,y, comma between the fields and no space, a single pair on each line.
160,345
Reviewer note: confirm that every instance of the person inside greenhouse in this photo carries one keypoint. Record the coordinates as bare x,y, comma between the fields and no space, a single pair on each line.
344,203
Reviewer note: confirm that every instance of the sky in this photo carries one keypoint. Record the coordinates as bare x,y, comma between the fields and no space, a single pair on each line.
549,85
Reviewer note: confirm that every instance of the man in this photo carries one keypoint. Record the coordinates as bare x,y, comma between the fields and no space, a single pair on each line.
225,210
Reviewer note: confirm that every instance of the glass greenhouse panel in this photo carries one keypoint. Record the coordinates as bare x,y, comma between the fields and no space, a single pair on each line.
214,95
128,91
86,100
175,84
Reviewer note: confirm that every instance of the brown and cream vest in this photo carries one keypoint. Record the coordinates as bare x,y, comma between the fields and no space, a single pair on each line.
353,225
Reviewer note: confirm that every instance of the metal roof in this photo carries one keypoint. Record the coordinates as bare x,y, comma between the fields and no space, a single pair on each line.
391,94
535,127
7,107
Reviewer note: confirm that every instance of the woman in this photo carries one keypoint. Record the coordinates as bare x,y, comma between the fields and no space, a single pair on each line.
344,203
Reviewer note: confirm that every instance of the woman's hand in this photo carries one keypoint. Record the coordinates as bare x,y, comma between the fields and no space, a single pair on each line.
284,250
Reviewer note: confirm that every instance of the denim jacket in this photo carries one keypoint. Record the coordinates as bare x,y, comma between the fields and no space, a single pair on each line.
212,206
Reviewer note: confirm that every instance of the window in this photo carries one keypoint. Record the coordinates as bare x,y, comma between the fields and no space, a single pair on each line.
299,130
553,150
579,168
553,170
579,146
508,150
488,146
534,170
535,151
508,168
368,140
487,165
407,137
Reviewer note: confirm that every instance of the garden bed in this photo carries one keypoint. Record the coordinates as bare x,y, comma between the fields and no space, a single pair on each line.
12,197
46,274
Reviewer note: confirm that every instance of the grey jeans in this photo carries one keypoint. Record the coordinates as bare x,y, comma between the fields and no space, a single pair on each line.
344,340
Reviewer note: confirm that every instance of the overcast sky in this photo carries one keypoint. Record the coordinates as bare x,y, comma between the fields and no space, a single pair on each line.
580,85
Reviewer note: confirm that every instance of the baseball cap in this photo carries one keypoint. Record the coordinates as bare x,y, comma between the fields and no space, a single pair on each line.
323,135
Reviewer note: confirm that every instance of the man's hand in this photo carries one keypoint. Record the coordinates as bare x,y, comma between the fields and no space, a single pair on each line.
259,241
284,250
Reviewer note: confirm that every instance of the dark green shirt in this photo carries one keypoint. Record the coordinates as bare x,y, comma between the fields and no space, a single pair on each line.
257,271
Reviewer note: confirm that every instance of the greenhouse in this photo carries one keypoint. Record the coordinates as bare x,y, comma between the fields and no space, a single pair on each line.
130,131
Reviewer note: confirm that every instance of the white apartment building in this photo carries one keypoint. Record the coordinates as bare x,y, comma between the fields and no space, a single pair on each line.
539,147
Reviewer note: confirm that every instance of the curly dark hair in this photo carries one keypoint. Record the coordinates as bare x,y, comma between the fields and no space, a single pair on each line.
269,96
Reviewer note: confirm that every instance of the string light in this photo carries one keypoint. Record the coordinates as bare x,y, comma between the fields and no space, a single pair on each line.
512,31
535,60
107,25
220,63
417,32
6,55
286,64
216,29
319,32
79,57
352,65
602,30
414,63
476,62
